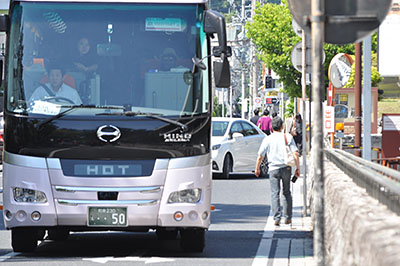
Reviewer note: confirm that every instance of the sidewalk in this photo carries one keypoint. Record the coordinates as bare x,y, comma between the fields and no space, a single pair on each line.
290,244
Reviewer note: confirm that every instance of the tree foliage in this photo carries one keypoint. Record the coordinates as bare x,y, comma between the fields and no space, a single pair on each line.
223,5
217,108
375,76
271,31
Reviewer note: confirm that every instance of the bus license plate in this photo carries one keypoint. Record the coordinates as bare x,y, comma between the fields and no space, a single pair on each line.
107,216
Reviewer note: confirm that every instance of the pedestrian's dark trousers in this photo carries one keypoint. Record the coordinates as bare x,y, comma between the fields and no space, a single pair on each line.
298,139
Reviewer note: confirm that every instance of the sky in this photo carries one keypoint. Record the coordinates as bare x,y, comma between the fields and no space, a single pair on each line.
4,4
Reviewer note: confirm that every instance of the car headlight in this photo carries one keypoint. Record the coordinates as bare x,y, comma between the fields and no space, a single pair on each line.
29,195
216,147
192,195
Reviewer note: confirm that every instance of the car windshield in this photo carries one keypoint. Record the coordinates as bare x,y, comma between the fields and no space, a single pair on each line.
129,57
219,128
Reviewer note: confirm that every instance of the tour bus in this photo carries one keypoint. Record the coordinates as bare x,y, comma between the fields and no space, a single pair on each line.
122,143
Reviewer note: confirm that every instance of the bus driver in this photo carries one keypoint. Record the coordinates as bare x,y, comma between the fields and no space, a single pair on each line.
56,88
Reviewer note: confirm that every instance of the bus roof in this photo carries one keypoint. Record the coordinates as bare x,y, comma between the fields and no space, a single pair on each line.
123,1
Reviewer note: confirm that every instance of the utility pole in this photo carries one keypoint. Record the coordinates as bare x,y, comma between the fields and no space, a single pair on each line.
230,101
223,102
357,96
366,112
255,65
303,124
243,18
317,37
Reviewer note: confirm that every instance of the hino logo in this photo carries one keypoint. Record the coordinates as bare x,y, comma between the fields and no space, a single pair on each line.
175,137
108,133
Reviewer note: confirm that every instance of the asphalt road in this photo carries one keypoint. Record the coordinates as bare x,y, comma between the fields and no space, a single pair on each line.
241,211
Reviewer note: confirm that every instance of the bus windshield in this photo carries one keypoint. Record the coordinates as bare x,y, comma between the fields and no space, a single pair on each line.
114,57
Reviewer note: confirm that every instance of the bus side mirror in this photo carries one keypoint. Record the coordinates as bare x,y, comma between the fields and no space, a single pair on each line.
222,73
4,27
4,23
214,22
1,71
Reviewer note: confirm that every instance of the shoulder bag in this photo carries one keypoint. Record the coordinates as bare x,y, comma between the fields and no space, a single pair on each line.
289,154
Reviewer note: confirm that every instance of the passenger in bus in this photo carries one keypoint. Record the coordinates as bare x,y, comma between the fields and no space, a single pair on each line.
168,59
56,88
84,61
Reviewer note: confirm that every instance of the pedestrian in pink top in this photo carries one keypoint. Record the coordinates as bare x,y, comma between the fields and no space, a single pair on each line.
264,122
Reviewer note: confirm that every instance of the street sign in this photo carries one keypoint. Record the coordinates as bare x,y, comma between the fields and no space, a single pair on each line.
271,100
257,102
296,56
347,21
329,119
296,28
331,94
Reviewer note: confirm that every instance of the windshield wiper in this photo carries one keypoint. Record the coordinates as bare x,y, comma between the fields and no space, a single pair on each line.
151,115
72,107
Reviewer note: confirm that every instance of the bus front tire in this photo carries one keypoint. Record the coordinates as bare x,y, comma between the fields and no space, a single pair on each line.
163,234
193,240
58,234
24,239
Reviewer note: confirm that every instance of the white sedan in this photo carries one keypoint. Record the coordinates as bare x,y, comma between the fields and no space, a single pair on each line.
235,143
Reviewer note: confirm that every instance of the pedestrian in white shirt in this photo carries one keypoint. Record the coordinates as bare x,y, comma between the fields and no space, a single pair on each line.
274,147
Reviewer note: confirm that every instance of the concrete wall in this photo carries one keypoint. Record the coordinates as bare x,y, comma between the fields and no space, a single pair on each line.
358,229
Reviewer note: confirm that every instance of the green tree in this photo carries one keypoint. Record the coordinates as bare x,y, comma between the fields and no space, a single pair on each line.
375,76
217,110
222,6
271,31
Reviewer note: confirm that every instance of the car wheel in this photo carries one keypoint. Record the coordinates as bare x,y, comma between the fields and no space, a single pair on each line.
264,167
24,239
193,240
228,166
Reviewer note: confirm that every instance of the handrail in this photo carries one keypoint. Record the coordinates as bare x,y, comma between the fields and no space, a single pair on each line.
380,182
377,167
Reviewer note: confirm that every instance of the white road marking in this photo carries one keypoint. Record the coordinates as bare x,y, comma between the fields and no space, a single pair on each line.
8,256
126,259
264,248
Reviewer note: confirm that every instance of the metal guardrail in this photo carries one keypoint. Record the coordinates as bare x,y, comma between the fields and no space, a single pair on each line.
380,182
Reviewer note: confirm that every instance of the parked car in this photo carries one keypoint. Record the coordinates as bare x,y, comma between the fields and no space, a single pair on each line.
235,143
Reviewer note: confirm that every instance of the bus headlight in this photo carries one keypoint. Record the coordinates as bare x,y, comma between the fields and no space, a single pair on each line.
29,195
192,195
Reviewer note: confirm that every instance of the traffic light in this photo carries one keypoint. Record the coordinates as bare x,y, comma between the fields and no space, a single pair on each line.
268,82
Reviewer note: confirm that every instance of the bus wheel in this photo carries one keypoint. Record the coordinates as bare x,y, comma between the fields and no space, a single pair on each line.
58,234
24,239
193,240
163,234
41,234
228,166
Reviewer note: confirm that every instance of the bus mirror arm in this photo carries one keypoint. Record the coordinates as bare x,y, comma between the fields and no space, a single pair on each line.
222,73
216,52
